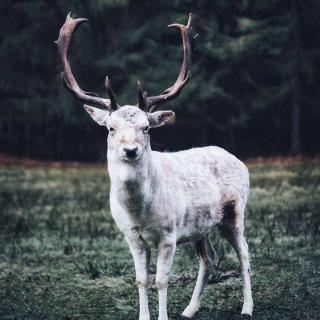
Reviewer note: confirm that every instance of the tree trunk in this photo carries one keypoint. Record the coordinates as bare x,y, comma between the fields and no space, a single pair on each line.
295,136
295,143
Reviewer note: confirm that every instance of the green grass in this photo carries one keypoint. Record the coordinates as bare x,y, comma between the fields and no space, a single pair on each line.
62,257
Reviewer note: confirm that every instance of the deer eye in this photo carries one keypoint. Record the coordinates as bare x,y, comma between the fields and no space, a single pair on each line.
145,129
112,130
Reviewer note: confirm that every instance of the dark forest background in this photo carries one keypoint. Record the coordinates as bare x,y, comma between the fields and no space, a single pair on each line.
255,77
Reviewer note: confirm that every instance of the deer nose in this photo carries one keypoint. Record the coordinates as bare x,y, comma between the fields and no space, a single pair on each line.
131,152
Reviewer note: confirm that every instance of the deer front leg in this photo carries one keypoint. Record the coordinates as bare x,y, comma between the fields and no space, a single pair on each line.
141,258
166,251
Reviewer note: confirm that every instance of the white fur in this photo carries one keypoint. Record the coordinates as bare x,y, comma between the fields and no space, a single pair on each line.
161,199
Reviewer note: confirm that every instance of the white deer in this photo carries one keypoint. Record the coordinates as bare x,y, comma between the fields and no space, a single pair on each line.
159,200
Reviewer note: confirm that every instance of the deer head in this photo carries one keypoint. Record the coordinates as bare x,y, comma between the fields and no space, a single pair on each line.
128,125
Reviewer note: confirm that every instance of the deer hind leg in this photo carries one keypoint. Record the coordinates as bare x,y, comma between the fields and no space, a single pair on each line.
232,231
206,255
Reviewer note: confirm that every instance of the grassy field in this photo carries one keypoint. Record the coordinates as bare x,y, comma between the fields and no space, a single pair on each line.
62,257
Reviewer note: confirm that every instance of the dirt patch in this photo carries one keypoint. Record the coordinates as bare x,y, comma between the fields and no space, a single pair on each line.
284,160
8,160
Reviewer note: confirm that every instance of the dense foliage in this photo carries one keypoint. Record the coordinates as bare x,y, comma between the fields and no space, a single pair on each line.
254,87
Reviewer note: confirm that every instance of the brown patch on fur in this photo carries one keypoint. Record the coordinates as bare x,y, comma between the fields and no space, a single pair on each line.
229,211
228,225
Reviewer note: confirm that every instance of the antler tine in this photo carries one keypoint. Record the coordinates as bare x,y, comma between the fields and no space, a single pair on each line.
142,97
113,103
70,82
184,74
151,103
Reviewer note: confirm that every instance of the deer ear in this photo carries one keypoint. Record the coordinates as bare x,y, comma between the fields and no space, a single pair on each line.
160,118
98,115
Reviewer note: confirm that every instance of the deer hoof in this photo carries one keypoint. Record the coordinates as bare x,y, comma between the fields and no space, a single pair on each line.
246,317
189,311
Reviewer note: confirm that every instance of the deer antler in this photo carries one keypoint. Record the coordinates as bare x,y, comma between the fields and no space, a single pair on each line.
69,81
151,103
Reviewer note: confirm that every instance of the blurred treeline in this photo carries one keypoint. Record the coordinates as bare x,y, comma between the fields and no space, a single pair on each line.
254,87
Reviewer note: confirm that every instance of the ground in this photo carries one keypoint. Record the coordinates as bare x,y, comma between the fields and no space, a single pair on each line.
62,257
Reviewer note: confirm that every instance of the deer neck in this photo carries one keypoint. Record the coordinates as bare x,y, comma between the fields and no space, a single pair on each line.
132,183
